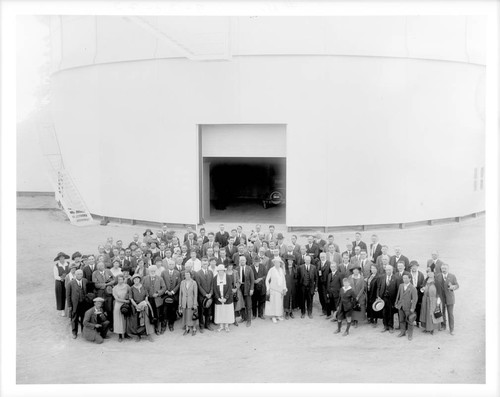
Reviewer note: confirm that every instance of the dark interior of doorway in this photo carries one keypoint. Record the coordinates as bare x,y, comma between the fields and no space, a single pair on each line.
240,189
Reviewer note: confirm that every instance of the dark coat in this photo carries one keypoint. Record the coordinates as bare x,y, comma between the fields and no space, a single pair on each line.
334,284
260,288
313,277
221,238
76,295
205,283
347,300
249,283
443,291
227,290
388,291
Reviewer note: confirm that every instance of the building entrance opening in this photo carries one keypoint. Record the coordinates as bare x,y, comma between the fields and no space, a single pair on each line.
246,189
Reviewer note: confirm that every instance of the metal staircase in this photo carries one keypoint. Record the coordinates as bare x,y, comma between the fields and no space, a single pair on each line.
66,193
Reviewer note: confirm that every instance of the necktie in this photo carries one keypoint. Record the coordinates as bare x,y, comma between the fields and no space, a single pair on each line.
80,284
243,274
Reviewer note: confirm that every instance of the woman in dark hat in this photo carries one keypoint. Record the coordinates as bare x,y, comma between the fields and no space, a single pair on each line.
358,286
139,323
239,303
61,269
290,301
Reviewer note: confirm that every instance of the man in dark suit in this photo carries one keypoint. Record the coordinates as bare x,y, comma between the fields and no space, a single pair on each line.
397,257
247,288
387,290
296,247
210,244
204,278
241,252
308,280
230,248
446,285
435,263
417,279
155,287
332,255
222,236
301,258
323,272
224,260
202,235
172,279
75,296
161,253
289,252
358,243
89,268
406,302
344,265
259,295
312,249
318,239
333,286
375,249
331,242
188,232
400,272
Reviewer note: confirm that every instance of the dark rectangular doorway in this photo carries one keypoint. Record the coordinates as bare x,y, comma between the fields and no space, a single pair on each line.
250,189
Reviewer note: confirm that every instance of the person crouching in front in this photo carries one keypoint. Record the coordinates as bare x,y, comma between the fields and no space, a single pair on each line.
346,305
95,323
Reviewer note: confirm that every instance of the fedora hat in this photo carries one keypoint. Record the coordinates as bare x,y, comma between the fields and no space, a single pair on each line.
412,317
66,256
378,305
207,302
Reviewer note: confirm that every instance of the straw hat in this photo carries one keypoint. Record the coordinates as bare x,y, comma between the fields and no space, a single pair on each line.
378,305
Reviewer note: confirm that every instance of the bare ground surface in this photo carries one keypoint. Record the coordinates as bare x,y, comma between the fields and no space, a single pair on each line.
298,350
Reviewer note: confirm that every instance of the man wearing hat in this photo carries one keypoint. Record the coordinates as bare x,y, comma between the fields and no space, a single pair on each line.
280,245
417,279
95,323
259,295
406,302
75,296
155,287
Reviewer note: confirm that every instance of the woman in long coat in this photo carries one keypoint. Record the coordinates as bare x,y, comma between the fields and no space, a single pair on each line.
290,300
139,322
276,289
223,299
121,294
358,286
188,303
430,301
61,269
372,283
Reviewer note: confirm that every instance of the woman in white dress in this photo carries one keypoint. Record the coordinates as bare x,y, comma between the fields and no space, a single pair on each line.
223,296
276,290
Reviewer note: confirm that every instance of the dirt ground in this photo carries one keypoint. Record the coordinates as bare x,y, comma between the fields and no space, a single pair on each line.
298,350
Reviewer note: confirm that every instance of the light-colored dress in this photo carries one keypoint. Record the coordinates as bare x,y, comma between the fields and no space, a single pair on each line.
115,271
275,285
224,312
119,321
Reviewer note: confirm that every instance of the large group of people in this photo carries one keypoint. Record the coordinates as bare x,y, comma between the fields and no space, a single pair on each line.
201,280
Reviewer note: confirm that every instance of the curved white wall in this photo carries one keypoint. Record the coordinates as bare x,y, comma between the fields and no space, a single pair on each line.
382,140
